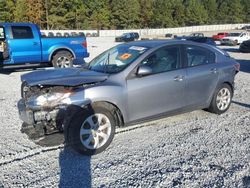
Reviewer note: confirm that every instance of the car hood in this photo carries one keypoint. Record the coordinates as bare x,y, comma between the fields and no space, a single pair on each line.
63,77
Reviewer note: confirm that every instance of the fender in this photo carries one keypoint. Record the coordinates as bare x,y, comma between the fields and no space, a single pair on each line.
59,47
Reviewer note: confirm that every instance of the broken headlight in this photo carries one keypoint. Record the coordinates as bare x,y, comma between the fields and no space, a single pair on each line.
53,99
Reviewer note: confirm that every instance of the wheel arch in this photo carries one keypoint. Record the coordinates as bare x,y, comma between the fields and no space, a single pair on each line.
113,107
230,84
56,50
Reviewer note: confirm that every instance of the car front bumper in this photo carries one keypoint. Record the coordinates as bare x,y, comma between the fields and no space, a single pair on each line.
228,42
25,115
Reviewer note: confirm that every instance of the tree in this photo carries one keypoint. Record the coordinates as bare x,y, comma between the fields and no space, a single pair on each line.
99,14
162,14
125,14
211,7
146,13
235,12
196,14
20,11
6,10
246,10
36,12
178,13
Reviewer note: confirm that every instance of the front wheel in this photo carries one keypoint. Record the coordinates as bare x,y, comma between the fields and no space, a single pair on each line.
91,130
62,59
221,100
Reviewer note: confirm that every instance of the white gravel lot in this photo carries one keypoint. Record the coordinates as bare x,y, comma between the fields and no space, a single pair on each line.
196,149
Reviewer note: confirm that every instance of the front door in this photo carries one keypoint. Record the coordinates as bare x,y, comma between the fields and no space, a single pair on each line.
24,45
163,90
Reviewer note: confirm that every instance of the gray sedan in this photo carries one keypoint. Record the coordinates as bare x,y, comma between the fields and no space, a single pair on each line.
127,84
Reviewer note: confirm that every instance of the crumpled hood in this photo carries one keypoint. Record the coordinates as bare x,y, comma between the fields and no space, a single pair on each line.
63,77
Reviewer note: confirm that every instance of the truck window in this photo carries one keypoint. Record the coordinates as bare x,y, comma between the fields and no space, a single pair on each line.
22,32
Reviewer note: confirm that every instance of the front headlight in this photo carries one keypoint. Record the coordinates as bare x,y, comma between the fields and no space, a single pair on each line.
53,99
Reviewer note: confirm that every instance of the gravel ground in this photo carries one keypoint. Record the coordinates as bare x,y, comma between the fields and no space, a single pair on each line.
196,149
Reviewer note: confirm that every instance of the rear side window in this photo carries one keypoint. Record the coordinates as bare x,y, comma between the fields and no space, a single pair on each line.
199,56
22,32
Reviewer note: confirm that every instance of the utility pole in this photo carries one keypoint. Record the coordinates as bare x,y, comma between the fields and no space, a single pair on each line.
47,14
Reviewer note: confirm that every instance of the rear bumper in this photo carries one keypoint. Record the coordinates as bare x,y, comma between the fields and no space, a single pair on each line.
24,114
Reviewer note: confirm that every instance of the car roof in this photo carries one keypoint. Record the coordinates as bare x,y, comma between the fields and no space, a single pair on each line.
16,24
157,43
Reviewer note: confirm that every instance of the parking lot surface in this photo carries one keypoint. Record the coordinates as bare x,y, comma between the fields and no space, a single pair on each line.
196,149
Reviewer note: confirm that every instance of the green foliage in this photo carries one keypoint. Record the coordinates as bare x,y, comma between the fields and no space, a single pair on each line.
246,10
123,14
20,12
7,10
196,14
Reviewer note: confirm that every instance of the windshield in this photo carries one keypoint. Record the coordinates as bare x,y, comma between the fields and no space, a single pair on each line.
234,34
117,58
125,35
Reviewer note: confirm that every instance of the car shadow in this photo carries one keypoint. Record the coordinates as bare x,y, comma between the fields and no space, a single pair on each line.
244,65
241,104
12,70
75,169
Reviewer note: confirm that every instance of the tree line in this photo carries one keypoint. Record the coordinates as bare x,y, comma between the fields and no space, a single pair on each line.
124,14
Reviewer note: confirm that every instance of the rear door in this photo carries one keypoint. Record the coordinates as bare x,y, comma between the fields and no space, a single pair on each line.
163,90
24,45
202,75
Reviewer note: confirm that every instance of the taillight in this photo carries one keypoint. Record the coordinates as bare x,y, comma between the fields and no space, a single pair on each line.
84,44
237,67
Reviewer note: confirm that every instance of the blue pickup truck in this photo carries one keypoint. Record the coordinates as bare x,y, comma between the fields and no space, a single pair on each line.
22,44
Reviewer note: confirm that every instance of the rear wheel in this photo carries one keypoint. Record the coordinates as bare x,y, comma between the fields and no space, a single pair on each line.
62,59
91,130
221,100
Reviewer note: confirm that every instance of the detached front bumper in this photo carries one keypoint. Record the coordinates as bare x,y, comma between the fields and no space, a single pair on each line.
25,115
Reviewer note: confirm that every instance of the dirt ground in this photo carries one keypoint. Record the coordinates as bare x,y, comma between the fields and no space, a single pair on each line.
196,149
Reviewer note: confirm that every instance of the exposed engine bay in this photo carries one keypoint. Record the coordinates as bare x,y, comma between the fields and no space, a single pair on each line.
46,106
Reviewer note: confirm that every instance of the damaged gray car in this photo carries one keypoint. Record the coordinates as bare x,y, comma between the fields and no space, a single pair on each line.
130,83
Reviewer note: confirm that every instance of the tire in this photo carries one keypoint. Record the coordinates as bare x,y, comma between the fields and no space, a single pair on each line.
62,59
221,100
88,137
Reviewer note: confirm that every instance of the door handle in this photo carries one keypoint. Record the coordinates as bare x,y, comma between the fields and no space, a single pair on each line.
179,78
214,70
35,43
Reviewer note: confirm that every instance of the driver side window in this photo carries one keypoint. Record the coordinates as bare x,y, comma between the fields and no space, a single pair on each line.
163,60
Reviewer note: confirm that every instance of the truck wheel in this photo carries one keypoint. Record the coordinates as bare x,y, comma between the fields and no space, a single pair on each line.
91,130
221,100
62,59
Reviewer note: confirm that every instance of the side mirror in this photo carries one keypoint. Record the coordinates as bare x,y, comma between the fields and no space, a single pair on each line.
144,70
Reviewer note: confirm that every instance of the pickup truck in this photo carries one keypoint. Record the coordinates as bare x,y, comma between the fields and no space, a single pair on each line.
220,36
235,38
22,44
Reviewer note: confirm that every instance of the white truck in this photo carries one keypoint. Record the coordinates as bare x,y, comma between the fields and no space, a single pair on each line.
235,38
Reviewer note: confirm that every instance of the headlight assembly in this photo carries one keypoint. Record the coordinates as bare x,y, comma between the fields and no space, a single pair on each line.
53,99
